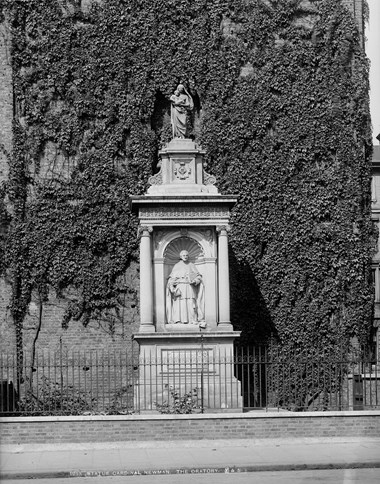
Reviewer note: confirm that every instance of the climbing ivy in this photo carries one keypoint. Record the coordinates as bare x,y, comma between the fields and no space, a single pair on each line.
282,112
293,140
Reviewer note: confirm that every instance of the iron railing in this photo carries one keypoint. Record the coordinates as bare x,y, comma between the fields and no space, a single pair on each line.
187,381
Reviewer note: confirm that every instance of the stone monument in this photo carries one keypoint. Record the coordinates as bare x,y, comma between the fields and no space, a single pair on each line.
185,337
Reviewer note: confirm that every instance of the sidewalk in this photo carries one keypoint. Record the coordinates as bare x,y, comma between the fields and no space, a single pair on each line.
205,456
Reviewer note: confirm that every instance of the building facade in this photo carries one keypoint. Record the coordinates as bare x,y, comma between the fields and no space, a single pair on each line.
376,259
96,334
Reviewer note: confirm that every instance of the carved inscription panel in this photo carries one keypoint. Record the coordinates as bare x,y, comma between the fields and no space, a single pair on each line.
192,360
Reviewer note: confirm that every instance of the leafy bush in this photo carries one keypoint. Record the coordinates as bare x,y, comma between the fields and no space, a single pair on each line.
122,402
52,398
186,403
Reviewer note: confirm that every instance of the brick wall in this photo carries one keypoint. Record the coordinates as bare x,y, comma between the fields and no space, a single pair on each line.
52,337
41,430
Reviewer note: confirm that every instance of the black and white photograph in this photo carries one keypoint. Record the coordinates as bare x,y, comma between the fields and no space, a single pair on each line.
190,241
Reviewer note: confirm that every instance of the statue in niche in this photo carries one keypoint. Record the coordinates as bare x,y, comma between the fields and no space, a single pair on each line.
185,293
181,103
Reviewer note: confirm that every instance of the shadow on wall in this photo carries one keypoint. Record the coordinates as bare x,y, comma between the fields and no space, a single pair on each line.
249,312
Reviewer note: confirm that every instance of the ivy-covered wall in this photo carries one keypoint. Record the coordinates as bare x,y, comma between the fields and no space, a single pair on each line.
281,91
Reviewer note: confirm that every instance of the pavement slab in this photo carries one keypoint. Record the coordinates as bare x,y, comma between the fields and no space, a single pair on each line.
192,456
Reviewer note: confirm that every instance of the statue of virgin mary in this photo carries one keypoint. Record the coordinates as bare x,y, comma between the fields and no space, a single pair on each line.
181,103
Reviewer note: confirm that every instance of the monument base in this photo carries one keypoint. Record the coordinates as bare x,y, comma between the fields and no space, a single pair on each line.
195,371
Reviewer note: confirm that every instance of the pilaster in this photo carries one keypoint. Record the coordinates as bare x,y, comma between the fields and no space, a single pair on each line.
224,279
146,280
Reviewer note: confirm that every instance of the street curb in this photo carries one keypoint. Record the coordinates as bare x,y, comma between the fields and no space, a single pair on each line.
169,444
190,470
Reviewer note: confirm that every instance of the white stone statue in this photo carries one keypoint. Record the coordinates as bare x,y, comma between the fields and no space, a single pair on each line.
185,293
181,102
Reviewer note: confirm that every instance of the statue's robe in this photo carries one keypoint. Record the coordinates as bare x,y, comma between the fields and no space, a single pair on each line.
180,105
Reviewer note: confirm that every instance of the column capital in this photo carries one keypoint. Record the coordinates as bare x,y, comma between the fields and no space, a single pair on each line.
145,230
222,228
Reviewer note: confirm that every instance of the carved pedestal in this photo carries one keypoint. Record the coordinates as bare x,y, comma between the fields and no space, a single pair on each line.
199,365
183,211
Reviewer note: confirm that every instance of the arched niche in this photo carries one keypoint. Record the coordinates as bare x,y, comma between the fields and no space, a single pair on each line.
174,248
201,245
204,238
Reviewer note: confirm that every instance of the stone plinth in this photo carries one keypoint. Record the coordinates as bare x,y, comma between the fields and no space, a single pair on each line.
187,362
182,170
